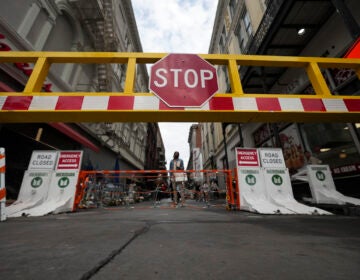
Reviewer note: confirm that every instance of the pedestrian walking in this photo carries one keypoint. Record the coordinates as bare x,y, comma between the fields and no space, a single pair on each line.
178,178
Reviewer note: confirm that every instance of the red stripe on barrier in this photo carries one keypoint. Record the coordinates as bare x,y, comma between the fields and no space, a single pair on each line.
221,103
121,103
352,105
17,103
2,193
313,105
268,104
2,169
69,103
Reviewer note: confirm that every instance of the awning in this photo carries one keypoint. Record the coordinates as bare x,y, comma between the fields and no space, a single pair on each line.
73,134
62,127
5,88
354,51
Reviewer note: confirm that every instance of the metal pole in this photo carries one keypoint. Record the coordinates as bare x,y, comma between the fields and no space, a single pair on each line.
225,145
241,144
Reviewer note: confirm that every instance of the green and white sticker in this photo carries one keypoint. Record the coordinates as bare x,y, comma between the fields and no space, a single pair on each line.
277,180
63,182
250,180
36,182
320,176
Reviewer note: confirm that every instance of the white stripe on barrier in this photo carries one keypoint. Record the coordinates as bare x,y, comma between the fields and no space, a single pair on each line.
95,103
43,103
245,104
146,103
334,105
293,104
2,101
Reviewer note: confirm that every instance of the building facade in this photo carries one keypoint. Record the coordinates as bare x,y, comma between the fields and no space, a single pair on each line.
73,25
327,28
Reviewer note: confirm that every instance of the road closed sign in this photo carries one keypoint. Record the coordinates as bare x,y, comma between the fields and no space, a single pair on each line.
69,160
272,158
44,160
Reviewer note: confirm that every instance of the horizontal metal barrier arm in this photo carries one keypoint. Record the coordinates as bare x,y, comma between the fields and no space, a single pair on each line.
35,106
148,58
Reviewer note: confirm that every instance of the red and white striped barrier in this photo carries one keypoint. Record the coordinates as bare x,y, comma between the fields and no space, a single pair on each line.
2,185
121,102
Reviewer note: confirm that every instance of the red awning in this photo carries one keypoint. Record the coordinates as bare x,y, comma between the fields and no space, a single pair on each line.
5,88
354,51
64,128
73,134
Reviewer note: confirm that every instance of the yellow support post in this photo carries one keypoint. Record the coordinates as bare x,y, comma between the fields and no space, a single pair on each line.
38,76
317,79
358,73
234,76
130,76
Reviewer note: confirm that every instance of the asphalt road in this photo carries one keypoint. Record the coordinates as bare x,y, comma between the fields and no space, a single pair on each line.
184,243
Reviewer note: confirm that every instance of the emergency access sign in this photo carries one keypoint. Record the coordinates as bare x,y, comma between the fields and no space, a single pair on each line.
69,160
247,157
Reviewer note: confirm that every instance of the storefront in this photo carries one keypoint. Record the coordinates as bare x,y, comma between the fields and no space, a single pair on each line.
334,144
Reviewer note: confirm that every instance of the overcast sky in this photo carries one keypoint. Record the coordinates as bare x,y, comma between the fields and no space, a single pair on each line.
175,26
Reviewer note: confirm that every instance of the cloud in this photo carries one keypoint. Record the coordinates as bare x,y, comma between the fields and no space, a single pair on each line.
175,26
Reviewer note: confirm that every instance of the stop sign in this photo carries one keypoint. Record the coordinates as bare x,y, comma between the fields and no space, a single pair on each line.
183,80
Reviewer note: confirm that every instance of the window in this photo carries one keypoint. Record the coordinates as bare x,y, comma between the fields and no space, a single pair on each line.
247,23
333,144
222,40
242,36
232,7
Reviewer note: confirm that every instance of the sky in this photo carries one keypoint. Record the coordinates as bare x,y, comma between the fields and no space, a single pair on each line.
175,26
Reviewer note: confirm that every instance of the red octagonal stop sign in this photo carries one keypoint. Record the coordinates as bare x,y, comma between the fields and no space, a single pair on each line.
183,80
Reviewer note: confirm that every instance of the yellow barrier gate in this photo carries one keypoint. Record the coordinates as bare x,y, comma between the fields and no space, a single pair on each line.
32,105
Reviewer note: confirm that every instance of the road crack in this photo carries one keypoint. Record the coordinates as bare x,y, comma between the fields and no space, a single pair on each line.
114,253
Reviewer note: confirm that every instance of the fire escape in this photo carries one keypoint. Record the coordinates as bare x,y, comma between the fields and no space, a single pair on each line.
98,18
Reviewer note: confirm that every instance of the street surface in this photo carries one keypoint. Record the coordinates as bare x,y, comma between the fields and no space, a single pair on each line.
179,243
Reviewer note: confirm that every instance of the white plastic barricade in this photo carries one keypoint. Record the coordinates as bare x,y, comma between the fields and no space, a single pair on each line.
61,194
323,188
279,191
253,194
2,186
33,192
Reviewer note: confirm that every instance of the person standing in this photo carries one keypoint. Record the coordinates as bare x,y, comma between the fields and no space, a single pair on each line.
205,189
178,184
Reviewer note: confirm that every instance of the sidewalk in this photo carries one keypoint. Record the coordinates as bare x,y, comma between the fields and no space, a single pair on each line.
179,243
